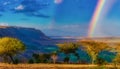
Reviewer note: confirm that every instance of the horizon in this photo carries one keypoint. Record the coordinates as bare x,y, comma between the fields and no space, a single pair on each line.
57,18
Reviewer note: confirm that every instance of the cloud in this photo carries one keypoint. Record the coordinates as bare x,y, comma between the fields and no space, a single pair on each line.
67,30
26,7
4,24
31,8
58,1
20,7
107,28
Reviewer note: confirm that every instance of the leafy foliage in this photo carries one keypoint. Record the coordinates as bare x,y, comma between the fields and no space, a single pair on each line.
66,59
41,58
93,48
117,50
31,61
100,61
10,47
68,47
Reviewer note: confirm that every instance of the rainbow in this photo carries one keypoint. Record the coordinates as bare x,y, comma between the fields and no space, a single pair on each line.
95,17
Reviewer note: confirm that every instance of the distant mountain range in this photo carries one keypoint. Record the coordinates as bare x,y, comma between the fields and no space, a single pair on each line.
34,39
27,35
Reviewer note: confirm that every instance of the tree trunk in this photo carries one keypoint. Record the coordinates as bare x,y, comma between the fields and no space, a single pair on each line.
12,59
93,60
94,57
54,61
115,65
67,59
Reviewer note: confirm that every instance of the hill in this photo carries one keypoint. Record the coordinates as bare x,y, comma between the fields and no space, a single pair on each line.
35,40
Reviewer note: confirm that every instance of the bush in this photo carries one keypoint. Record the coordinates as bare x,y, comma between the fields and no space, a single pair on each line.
100,61
16,61
31,61
41,58
66,59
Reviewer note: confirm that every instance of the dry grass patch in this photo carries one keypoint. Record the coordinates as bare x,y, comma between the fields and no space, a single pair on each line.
54,66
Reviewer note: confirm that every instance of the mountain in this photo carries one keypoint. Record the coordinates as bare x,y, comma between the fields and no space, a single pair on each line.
27,35
35,40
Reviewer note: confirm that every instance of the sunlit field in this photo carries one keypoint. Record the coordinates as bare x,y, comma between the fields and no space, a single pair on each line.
55,66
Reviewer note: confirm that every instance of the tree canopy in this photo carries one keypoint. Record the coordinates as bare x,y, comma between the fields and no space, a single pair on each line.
11,46
93,48
68,47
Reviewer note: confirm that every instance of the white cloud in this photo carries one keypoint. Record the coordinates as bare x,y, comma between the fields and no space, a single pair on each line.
67,29
3,24
20,7
58,1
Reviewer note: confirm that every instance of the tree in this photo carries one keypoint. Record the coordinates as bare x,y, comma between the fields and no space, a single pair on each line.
10,47
116,61
37,58
54,57
116,48
66,59
46,57
100,61
31,61
68,48
41,58
93,48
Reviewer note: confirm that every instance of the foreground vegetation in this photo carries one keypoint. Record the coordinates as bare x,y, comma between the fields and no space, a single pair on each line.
12,47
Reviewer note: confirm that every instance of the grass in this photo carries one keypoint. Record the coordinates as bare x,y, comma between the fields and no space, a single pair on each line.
54,66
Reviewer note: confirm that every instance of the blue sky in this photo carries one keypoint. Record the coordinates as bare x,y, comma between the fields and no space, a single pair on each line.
59,17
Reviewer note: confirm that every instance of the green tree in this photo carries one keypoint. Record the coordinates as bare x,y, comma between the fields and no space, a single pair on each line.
46,57
41,58
66,59
68,48
36,58
10,47
93,48
30,61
